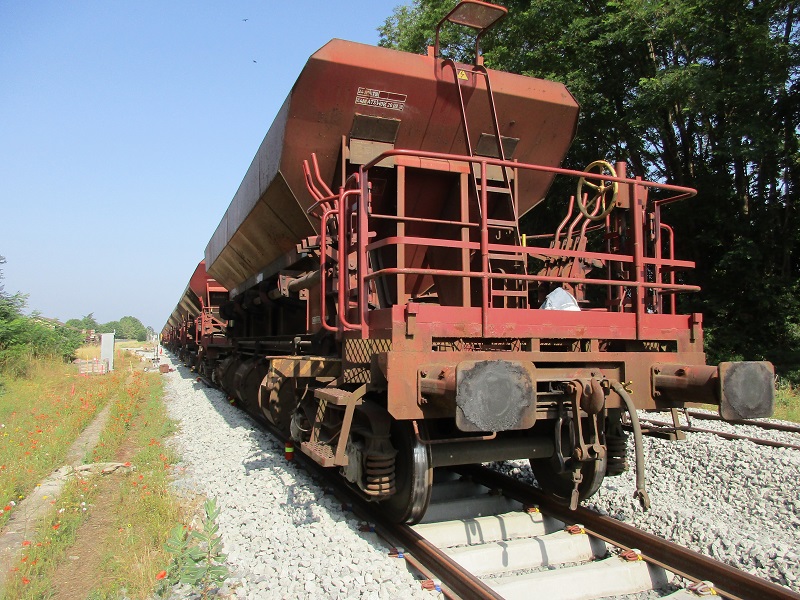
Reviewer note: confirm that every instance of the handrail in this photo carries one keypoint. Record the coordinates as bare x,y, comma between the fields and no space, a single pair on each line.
323,260
359,186
684,192
343,263
678,287
535,251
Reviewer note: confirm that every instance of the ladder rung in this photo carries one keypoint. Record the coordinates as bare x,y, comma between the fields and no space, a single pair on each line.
517,257
336,396
495,189
501,224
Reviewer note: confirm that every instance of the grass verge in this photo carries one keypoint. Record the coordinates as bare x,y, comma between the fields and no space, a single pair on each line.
787,403
137,509
40,417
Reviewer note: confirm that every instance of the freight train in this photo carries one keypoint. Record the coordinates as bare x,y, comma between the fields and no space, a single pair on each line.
370,293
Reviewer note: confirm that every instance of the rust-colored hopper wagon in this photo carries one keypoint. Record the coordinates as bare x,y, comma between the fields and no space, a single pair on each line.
386,311
194,330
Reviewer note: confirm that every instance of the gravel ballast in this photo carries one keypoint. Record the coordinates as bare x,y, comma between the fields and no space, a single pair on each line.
284,537
733,500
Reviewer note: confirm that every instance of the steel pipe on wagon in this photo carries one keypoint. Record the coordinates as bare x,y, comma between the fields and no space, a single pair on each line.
448,454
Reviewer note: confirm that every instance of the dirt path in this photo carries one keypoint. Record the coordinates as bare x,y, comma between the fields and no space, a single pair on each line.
83,560
22,523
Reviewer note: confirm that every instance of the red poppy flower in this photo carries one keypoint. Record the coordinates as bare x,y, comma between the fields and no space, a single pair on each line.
25,580
161,575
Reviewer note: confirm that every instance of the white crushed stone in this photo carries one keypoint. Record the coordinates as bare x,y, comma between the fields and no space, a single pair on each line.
283,536
733,500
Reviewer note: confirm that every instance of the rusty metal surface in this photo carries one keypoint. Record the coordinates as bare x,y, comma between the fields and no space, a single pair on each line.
195,320
732,582
267,215
747,390
495,395
189,303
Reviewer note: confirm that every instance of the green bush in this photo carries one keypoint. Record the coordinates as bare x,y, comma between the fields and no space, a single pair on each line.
25,338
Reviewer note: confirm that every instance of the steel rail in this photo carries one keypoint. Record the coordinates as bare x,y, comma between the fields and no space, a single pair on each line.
460,582
729,581
455,580
763,424
664,426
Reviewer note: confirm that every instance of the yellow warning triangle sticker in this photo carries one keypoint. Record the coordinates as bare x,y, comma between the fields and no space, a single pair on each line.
462,74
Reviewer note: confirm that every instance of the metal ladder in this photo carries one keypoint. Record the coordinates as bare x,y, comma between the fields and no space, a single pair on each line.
501,218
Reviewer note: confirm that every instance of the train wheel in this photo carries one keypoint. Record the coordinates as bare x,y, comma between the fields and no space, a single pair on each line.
559,484
413,476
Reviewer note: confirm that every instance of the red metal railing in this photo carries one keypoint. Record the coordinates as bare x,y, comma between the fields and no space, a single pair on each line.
339,210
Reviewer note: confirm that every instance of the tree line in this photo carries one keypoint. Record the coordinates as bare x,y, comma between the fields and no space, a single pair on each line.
25,338
691,92
127,328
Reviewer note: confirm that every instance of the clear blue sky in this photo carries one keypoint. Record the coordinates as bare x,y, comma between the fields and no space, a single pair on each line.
125,130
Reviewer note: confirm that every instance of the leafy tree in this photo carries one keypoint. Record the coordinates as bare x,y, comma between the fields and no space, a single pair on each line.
88,322
688,92
110,327
127,328
132,329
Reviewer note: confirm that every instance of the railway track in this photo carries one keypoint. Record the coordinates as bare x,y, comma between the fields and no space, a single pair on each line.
762,424
659,428
487,535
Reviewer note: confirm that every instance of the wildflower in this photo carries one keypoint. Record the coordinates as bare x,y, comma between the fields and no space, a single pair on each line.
161,575
25,581
26,542
57,525
7,507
